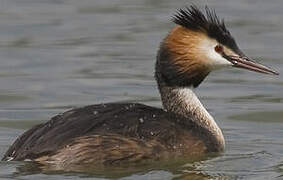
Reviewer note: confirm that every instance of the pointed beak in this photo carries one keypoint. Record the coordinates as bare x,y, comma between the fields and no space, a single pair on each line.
246,63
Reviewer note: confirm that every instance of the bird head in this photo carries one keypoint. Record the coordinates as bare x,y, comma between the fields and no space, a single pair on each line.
197,45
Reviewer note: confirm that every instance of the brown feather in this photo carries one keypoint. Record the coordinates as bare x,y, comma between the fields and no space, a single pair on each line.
111,149
183,45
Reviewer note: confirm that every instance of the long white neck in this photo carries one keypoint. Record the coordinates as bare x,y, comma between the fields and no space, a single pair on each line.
184,102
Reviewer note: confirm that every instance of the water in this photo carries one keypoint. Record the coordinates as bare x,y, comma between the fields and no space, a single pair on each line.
58,54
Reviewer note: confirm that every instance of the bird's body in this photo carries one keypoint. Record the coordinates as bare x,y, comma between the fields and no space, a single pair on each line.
116,133
110,134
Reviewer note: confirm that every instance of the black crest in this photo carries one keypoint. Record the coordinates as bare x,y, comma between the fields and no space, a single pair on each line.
192,18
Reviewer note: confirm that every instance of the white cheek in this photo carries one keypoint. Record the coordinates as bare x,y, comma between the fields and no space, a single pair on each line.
213,58
216,60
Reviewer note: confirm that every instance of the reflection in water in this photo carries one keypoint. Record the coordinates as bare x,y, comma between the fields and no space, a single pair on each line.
175,169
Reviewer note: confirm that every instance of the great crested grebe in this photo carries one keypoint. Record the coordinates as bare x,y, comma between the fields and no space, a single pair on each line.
105,134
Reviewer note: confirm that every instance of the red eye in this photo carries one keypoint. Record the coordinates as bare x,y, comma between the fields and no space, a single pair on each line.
218,48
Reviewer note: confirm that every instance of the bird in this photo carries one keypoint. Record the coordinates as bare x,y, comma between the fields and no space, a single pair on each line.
122,133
